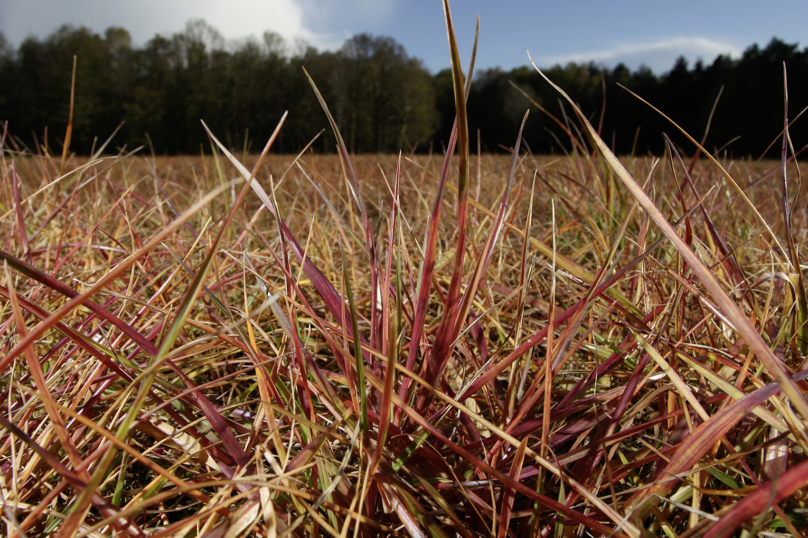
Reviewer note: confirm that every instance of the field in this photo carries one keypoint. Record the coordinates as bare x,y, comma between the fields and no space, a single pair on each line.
209,384
467,345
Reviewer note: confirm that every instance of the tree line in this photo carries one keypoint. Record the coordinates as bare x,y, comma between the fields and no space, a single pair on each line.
382,99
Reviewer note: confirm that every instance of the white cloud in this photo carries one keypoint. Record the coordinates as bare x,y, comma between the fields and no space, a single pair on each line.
658,55
324,23
240,18
335,21
235,19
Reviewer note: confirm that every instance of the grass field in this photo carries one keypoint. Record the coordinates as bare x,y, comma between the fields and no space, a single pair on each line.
259,424
345,345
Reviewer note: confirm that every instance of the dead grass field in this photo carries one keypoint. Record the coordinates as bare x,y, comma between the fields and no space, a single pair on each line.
172,367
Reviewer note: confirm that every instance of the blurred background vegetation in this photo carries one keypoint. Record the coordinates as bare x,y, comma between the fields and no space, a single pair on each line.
383,99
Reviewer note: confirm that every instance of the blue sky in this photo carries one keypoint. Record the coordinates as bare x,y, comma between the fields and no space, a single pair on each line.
635,32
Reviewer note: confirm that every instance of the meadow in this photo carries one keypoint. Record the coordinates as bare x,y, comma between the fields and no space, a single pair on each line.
403,345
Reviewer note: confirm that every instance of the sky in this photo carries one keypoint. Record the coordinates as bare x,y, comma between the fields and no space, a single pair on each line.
636,32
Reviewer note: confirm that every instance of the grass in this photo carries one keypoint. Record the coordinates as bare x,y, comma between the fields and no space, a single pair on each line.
346,345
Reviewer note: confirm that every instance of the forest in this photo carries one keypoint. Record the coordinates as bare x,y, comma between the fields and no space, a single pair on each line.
383,99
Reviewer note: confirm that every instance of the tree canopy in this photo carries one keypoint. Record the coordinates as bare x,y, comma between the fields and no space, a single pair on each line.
383,99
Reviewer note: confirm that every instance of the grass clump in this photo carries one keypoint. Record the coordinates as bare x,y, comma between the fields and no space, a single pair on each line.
341,345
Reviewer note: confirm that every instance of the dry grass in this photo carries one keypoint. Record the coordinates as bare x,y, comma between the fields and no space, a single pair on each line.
262,428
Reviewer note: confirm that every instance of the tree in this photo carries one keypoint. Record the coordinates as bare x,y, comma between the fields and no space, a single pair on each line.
383,97
5,49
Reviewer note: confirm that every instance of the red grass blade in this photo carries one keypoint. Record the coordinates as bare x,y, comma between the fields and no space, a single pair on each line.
323,286
444,337
763,497
122,525
428,263
393,327
110,277
357,194
507,498
15,180
696,445
56,285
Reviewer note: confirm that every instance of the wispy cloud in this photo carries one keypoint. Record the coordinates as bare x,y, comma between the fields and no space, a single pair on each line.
658,55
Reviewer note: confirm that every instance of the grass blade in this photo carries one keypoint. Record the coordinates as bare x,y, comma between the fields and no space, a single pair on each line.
762,498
